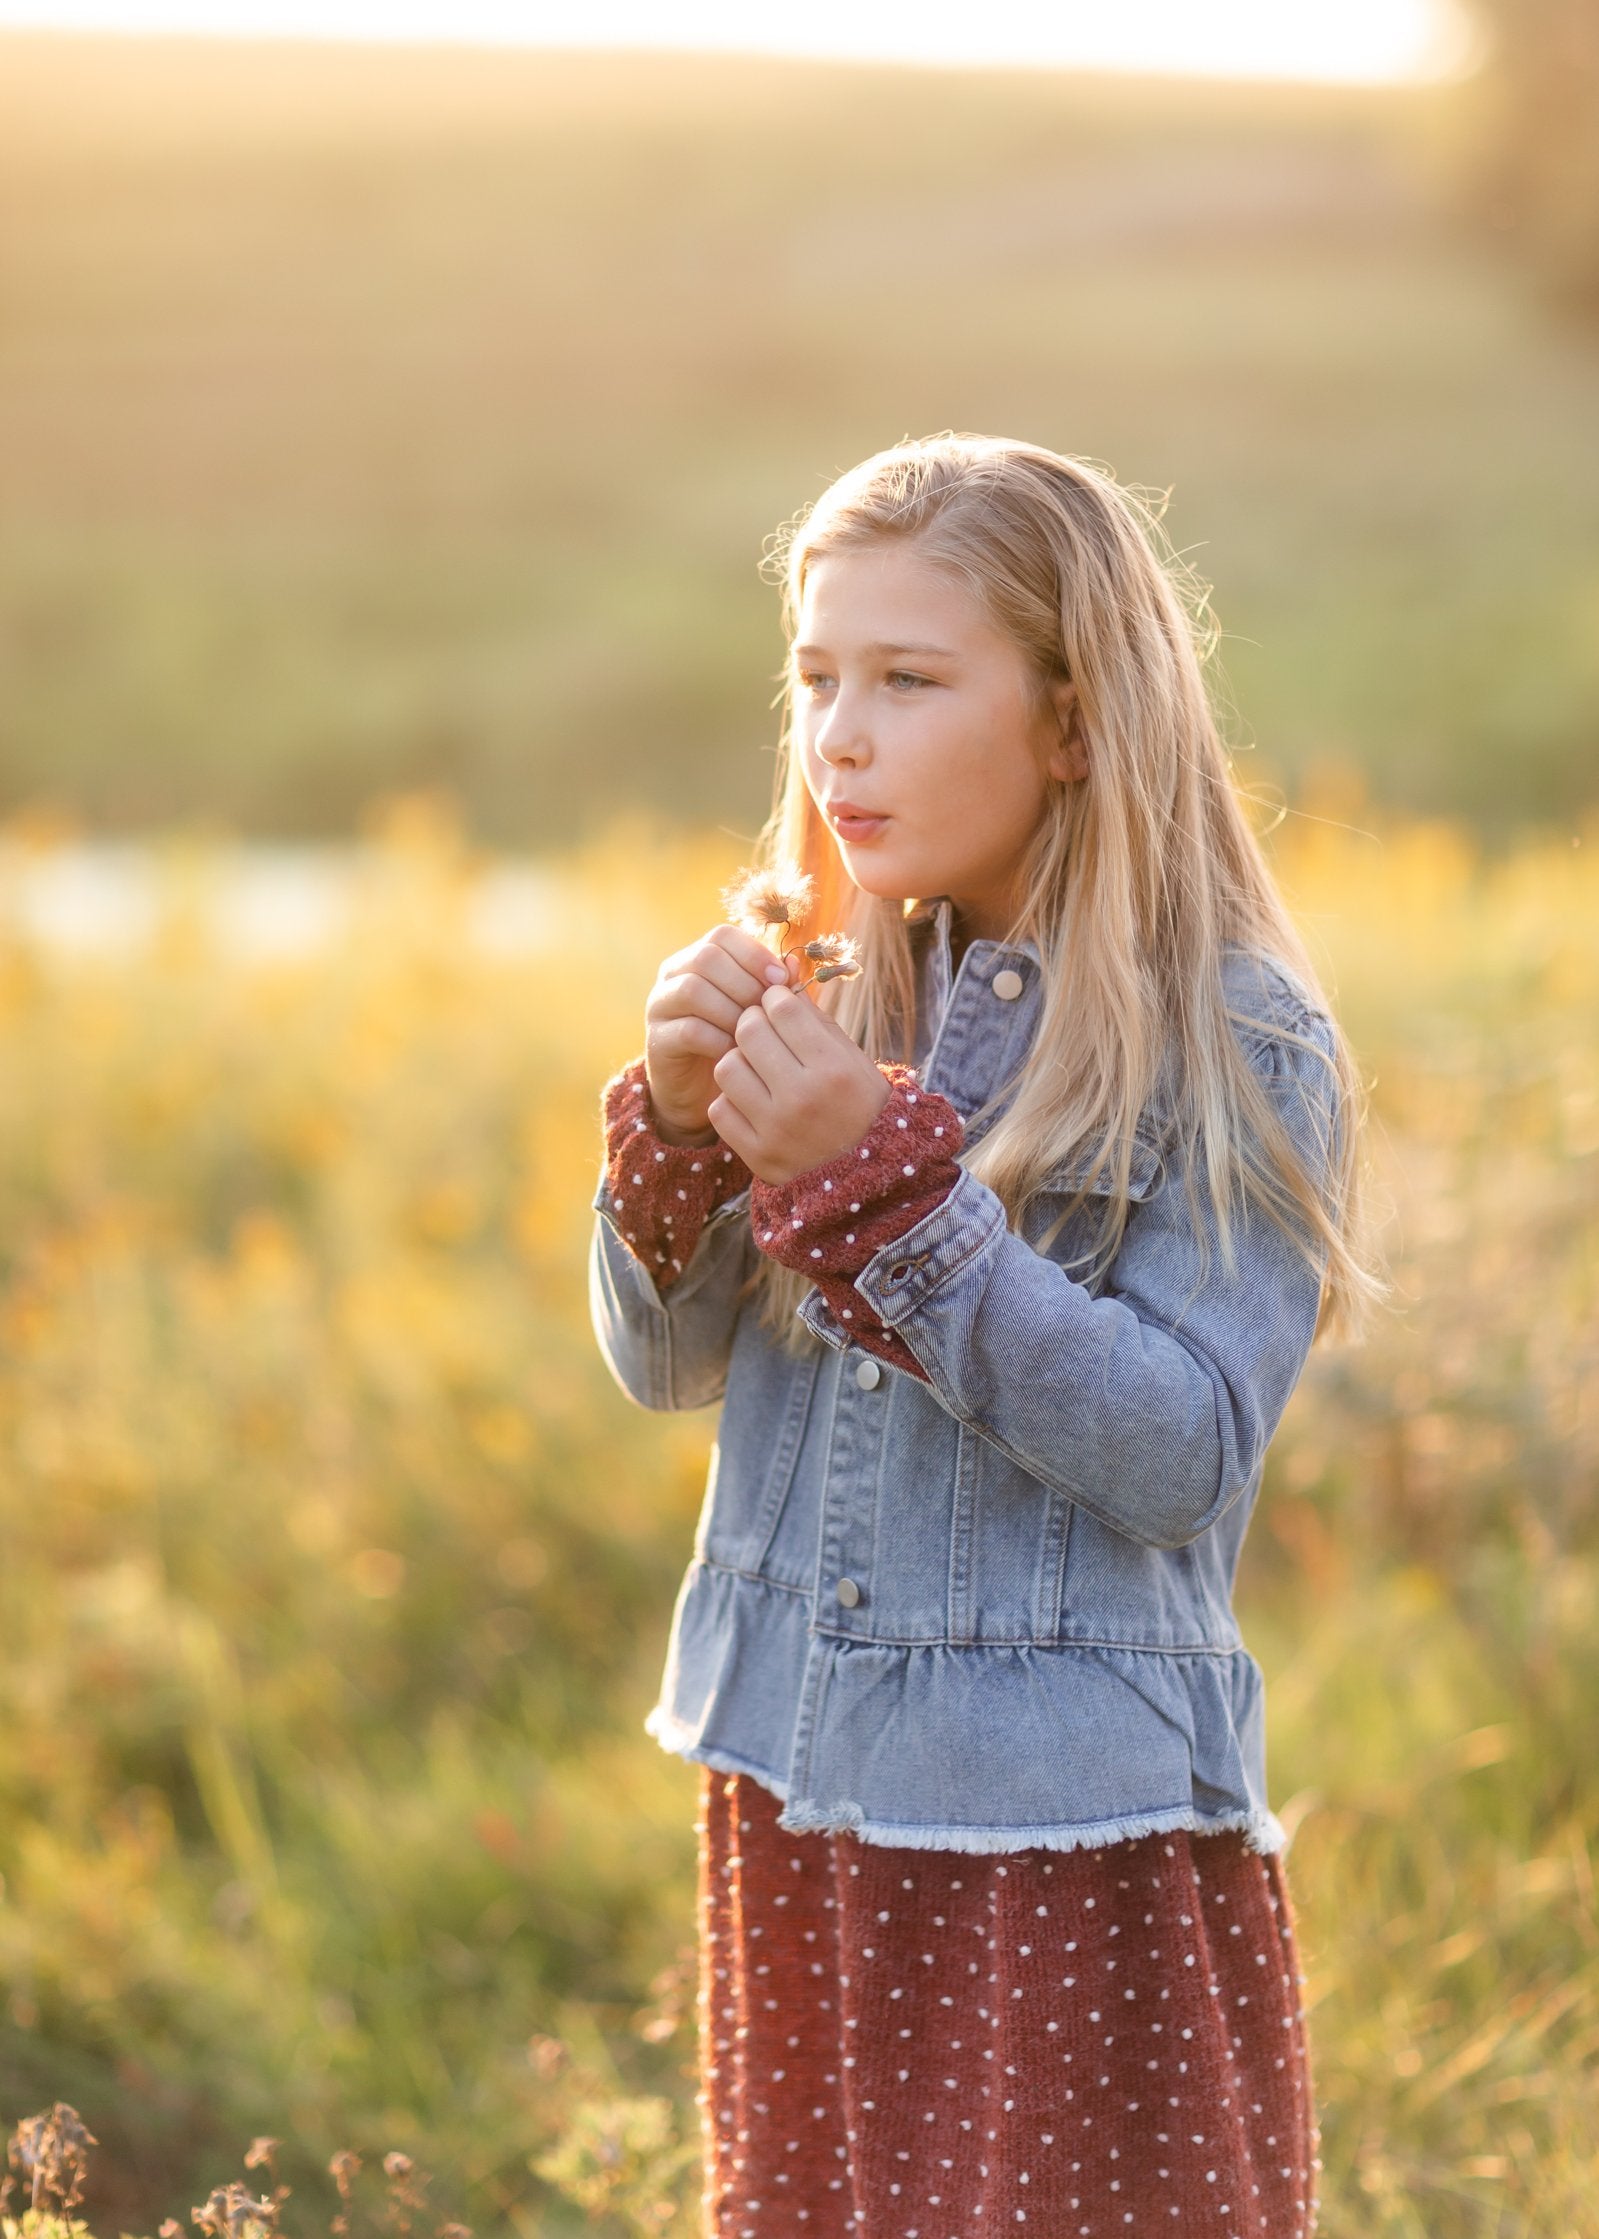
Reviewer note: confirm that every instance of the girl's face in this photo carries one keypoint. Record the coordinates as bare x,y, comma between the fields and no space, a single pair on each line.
920,735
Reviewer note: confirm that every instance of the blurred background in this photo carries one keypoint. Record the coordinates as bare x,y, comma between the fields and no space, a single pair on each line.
389,434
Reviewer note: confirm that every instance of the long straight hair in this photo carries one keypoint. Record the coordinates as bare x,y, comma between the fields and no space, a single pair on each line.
1136,878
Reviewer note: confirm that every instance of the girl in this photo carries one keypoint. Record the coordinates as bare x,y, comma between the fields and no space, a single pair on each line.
1004,1251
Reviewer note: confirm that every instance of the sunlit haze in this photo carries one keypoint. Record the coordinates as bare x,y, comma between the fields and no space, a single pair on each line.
1360,40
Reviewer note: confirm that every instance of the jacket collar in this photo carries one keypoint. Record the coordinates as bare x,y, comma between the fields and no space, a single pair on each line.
966,1040
938,911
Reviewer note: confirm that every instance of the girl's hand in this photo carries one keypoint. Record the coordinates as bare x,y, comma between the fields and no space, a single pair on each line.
794,1090
693,1008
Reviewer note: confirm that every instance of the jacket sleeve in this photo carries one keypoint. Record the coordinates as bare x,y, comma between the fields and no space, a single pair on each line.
1151,1404
669,1256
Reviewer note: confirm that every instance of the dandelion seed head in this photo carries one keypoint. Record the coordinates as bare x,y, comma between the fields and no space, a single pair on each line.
833,948
759,899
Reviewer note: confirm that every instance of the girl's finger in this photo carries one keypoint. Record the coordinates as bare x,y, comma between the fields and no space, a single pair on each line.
766,1050
692,1037
733,1127
691,996
728,957
741,975
735,1076
749,955
806,1032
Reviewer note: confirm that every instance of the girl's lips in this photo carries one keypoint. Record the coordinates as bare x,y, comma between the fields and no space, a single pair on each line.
852,827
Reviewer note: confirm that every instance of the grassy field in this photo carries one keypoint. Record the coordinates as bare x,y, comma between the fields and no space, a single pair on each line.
375,419
337,1576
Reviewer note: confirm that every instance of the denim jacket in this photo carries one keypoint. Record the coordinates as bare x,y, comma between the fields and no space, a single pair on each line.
992,1610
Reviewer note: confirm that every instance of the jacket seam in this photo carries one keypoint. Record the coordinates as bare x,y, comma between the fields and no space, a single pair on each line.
666,1355
1048,1647
757,1577
947,1640
660,1351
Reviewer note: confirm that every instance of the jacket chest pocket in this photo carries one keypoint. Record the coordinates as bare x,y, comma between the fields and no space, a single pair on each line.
1078,1235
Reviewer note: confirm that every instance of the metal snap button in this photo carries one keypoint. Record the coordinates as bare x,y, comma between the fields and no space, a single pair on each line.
848,1592
1008,985
868,1374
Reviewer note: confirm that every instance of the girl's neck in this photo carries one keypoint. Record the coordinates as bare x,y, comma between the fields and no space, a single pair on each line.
982,921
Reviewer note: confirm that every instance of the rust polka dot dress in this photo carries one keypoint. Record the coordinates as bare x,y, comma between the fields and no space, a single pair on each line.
915,2044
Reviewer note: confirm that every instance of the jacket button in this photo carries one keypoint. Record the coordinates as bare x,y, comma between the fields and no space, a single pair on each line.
1007,985
848,1592
868,1374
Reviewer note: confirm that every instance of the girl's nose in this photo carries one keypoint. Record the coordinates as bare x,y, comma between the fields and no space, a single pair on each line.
840,736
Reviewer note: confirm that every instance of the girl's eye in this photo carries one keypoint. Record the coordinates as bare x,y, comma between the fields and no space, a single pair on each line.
816,680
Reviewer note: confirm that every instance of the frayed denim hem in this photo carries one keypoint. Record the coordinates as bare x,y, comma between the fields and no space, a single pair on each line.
677,1742
1263,1832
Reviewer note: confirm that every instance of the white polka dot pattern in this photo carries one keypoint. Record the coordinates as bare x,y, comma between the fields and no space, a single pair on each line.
911,2044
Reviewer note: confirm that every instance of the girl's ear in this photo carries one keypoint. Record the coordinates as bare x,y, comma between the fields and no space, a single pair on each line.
1068,758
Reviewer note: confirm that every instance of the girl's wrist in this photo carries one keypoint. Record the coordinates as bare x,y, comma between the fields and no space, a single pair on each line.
697,1136
682,1138
660,1191
840,1212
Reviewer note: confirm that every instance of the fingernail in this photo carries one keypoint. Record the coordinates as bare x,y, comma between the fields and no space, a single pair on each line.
776,974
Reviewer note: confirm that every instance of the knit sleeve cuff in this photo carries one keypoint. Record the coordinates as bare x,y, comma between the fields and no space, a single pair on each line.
831,1220
661,1194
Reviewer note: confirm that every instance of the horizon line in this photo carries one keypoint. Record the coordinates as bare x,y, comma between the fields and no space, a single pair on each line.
1446,68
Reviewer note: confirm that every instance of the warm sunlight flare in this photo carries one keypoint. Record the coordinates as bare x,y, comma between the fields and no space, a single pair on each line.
1363,40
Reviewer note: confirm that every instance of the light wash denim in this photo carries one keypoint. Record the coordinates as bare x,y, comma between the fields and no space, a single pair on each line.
992,1611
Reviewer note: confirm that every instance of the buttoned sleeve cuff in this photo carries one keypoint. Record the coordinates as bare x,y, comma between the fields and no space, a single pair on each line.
659,1195
835,1219
904,1274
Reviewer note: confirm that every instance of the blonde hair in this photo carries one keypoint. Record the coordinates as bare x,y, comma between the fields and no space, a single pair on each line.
1136,878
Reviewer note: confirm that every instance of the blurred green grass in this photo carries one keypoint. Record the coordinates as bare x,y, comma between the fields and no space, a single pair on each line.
416,417
337,1575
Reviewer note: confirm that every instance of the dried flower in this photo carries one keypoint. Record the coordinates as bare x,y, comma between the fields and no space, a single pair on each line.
407,2186
344,2168
261,2153
782,896
231,2212
761,899
51,2152
835,955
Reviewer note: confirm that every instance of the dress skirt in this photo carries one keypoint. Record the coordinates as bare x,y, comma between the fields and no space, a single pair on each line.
930,2044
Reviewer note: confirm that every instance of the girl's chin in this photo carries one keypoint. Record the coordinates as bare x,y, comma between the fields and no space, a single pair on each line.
879,880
